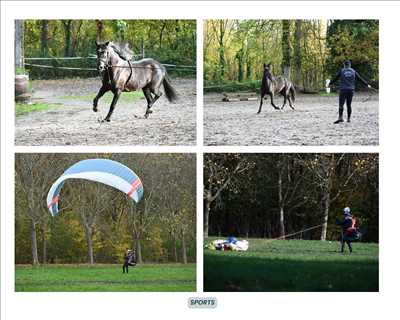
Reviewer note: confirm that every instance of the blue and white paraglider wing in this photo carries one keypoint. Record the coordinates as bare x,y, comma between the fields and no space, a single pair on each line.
105,171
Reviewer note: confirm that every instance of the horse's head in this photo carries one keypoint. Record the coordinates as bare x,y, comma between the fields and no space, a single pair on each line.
103,51
268,67
267,70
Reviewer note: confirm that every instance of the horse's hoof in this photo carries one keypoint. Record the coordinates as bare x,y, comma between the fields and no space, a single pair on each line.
105,120
146,115
95,109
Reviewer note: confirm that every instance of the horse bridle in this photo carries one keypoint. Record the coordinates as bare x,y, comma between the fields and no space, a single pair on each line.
106,61
109,66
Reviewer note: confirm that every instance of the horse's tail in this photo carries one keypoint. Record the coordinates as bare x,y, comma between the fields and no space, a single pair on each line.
170,92
293,92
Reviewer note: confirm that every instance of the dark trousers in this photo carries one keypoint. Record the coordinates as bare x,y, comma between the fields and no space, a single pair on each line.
345,96
125,267
346,239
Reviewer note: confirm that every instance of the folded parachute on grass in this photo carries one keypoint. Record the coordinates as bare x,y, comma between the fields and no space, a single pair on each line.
231,244
105,171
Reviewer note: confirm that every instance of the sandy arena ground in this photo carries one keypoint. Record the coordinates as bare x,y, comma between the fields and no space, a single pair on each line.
236,123
74,123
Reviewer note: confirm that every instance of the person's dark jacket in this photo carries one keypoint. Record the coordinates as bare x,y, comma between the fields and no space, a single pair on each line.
127,257
348,77
346,223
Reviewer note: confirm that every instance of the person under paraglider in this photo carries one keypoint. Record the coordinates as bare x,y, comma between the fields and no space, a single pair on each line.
349,230
129,260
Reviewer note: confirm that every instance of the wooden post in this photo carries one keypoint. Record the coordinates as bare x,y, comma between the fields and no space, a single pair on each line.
143,55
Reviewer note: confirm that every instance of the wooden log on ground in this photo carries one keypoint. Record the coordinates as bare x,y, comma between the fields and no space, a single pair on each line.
238,97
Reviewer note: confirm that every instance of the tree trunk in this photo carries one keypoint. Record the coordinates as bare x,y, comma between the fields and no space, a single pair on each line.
99,30
281,206
44,245
184,253
297,52
328,162
286,48
142,49
326,203
305,81
67,37
19,44
35,259
161,34
44,37
76,37
89,243
138,249
221,50
239,58
206,218
249,71
281,165
175,249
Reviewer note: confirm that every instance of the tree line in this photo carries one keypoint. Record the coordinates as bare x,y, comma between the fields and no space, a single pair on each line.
307,51
168,41
98,223
273,195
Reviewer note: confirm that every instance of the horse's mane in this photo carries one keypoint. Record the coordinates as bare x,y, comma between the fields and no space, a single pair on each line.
123,50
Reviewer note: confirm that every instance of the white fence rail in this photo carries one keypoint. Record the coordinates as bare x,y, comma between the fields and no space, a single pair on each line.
168,65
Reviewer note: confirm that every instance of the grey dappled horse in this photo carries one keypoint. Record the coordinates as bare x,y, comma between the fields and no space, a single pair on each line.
271,85
120,74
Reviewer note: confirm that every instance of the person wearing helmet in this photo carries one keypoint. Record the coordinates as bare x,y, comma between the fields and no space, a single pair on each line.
348,77
129,260
347,225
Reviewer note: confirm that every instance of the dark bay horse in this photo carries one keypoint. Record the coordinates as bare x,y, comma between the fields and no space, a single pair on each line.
271,85
119,75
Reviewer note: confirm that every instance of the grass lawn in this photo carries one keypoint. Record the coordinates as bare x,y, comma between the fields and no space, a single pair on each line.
330,94
22,108
145,277
292,265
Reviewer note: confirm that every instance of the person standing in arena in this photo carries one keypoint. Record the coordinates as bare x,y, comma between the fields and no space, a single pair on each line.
348,77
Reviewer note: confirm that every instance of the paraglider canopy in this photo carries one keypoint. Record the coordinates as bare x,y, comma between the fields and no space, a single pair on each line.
109,172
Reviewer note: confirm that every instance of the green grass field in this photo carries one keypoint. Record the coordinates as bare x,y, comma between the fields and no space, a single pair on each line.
145,277
107,98
22,108
292,265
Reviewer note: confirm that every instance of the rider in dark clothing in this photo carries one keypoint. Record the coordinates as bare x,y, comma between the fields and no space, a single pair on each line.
348,77
346,224
129,260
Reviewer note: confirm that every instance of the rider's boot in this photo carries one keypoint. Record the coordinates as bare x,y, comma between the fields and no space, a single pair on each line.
340,116
339,120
